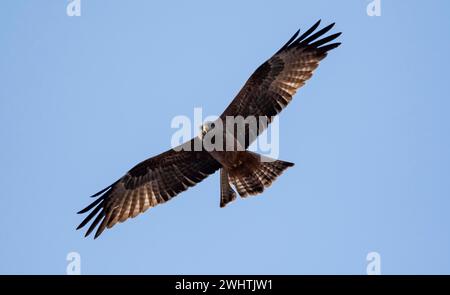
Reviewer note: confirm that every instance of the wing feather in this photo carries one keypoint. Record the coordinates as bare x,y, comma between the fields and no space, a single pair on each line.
271,87
149,183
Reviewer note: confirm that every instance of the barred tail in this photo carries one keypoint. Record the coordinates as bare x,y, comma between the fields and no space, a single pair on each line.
256,173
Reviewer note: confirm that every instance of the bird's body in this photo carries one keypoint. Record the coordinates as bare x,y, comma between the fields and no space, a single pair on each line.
269,89
229,151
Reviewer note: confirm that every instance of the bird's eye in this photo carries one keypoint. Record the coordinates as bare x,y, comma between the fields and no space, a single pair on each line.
213,125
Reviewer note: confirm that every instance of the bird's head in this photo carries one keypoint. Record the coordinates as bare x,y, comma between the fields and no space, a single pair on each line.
206,127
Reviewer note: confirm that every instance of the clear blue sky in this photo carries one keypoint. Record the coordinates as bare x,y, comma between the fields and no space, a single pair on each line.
83,99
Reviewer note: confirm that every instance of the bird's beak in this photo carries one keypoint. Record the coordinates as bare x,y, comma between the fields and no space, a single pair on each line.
202,131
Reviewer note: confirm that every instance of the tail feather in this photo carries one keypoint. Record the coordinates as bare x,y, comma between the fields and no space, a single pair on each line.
227,194
256,173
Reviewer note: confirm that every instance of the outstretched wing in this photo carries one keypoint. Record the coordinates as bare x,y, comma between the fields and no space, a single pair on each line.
271,87
149,183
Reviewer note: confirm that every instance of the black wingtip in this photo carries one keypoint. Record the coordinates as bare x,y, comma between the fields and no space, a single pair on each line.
83,211
92,215
94,224
308,32
310,36
286,45
329,47
92,205
104,190
324,41
316,35
101,192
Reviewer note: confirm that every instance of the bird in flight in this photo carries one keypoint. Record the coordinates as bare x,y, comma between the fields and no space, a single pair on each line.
268,90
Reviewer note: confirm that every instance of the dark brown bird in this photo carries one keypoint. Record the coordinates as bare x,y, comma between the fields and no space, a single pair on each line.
268,90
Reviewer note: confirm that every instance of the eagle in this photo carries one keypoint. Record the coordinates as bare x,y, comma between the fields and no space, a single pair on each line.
268,90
